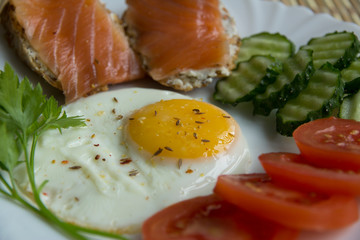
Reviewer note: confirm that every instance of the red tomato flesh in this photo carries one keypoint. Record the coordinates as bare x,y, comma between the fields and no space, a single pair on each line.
292,170
330,142
211,218
257,194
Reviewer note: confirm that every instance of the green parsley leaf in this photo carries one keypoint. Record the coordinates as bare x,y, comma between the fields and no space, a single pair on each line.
25,113
9,149
53,117
20,103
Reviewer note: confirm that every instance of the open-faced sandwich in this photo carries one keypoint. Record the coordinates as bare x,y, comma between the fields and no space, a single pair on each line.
77,46
183,44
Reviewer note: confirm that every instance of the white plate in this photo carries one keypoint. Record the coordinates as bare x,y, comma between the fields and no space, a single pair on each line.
252,16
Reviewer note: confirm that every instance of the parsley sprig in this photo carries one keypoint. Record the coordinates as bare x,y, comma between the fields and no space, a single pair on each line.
26,113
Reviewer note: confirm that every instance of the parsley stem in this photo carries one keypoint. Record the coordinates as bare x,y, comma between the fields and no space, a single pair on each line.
12,190
13,193
5,193
70,229
6,185
29,160
99,233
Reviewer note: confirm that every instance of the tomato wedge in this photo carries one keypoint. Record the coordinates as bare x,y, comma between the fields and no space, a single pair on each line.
330,142
210,218
292,170
257,194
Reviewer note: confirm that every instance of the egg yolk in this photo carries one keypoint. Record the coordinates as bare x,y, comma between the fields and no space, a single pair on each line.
182,128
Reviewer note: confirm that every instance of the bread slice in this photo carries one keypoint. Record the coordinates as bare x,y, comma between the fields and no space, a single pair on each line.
90,77
189,79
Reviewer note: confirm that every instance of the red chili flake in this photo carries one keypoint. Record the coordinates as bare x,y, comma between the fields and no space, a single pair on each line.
64,162
75,167
96,145
115,99
125,161
177,122
44,193
119,117
131,118
205,140
158,152
189,171
155,113
103,159
225,116
199,122
195,135
97,157
96,61
113,111
76,199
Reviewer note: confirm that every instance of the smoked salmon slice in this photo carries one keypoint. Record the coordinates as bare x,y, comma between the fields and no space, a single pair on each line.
174,36
80,42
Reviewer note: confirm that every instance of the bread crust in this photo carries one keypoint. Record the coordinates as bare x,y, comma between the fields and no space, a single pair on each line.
191,79
17,39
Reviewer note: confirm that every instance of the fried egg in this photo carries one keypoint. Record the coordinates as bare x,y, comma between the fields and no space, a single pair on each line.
140,151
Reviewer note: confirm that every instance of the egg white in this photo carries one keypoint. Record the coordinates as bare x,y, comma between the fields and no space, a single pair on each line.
88,185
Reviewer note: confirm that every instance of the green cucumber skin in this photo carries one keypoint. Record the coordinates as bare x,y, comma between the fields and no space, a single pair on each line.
351,77
349,55
271,71
350,107
286,128
346,59
353,86
290,90
266,48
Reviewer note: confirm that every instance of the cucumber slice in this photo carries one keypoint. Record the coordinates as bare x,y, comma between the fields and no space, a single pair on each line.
338,48
350,107
288,84
265,43
351,77
250,78
322,95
